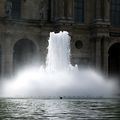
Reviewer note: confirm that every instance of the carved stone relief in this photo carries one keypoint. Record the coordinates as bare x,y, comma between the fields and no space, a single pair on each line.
8,8
43,7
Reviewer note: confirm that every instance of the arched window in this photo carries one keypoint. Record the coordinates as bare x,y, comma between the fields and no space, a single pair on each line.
13,8
115,12
79,11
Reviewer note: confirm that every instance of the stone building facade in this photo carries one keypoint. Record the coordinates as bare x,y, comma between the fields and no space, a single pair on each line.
94,27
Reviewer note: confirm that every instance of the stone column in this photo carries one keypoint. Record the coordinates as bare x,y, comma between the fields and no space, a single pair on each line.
7,65
2,8
69,4
59,9
98,53
98,11
107,10
106,41
7,59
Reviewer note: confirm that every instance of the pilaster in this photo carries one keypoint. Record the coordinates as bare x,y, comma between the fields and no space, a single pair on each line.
7,58
102,14
107,10
62,10
98,17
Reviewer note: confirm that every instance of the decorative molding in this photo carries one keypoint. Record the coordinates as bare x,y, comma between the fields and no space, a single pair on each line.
115,34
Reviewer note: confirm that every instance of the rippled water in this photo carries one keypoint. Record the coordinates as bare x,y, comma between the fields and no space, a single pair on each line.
65,109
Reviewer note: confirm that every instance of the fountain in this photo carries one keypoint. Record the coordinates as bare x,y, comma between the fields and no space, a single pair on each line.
58,57
59,77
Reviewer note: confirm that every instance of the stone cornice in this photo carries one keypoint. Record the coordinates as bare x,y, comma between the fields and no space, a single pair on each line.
26,22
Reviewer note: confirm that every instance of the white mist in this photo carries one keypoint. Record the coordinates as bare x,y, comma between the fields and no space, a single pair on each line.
59,77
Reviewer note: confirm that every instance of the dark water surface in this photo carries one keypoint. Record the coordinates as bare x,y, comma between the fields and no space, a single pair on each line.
65,109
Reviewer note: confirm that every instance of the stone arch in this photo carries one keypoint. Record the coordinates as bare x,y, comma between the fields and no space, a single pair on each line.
114,59
112,42
24,53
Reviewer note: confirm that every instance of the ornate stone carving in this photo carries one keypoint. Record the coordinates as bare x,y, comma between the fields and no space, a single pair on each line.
8,8
43,9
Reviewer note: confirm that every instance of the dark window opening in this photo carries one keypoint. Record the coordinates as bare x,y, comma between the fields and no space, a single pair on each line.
115,12
79,11
49,10
13,8
114,60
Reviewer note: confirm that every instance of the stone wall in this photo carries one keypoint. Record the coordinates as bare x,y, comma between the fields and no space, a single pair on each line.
89,40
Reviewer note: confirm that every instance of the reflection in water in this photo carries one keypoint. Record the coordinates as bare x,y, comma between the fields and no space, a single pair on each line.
53,109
